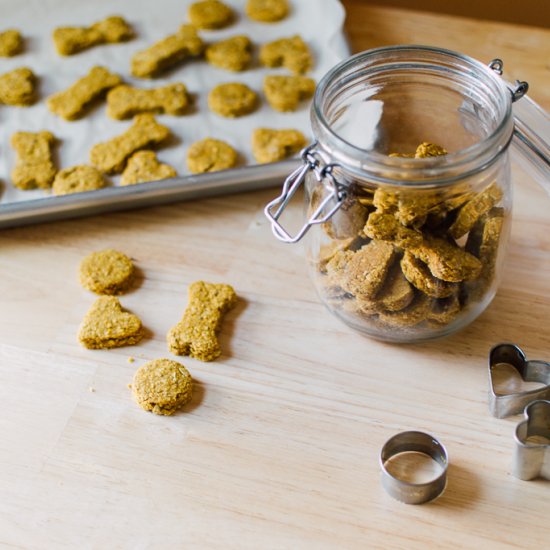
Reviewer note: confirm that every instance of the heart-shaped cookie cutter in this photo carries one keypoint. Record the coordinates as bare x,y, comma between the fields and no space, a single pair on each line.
533,459
502,405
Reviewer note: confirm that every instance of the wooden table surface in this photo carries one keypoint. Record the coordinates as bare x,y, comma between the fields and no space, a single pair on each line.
279,447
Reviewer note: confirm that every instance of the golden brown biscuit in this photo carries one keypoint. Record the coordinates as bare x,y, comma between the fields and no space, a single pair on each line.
267,11
111,156
292,53
107,325
270,145
427,149
18,87
349,219
144,166
210,14
284,93
106,272
162,386
72,102
444,311
34,165
195,334
11,43
418,274
231,54
232,99
78,179
417,312
386,227
167,52
210,155
331,249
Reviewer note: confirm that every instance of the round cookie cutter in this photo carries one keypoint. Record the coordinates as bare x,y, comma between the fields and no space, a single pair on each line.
399,487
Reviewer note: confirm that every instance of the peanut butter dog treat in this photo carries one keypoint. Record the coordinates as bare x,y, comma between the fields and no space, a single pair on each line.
269,145
125,101
284,93
445,311
232,100
418,274
77,180
18,87
210,155
414,314
144,166
33,166
210,14
71,40
162,386
426,149
347,222
167,52
71,103
11,43
232,54
267,11
292,53
110,157
386,227
106,272
107,325
330,250
195,334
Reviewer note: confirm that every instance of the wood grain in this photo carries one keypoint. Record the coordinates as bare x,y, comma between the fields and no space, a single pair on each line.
279,446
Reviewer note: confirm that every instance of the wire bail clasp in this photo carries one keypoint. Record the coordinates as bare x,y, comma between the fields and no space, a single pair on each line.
519,89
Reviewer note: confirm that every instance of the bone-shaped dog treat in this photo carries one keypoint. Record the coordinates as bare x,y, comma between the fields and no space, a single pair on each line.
144,166
18,87
292,53
71,103
125,101
195,334
33,167
110,156
71,40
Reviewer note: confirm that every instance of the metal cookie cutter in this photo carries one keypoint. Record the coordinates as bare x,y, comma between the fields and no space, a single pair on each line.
502,405
532,459
407,491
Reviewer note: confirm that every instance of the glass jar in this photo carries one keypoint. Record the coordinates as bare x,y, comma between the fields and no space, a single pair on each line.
407,189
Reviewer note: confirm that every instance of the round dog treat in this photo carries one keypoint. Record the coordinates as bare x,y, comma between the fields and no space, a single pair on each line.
162,386
77,179
106,272
210,14
267,11
284,93
210,155
232,100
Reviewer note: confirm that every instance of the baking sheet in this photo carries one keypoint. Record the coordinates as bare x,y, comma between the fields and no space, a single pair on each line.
319,22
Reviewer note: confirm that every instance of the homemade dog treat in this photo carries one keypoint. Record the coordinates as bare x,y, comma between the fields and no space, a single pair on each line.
291,53
106,272
284,93
162,386
270,145
18,87
232,100
77,180
125,101
167,52
195,334
232,54
33,166
71,40
71,103
11,43
107,325
144,166
418,274
210,155
267,11
210,14
110,157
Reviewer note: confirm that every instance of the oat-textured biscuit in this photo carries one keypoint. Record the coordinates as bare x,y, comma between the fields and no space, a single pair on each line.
331,249
144,166
106,272
414,314
18,87
125,101
167,52
267,11
162,386
270,145
418,274
111,156
71,40
210,155
386,227
195,334
34,165
78,179
72,102
210,14
11,43
347,222
232,99
426,149
107,325
231,54
292,53
444,311
284,93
